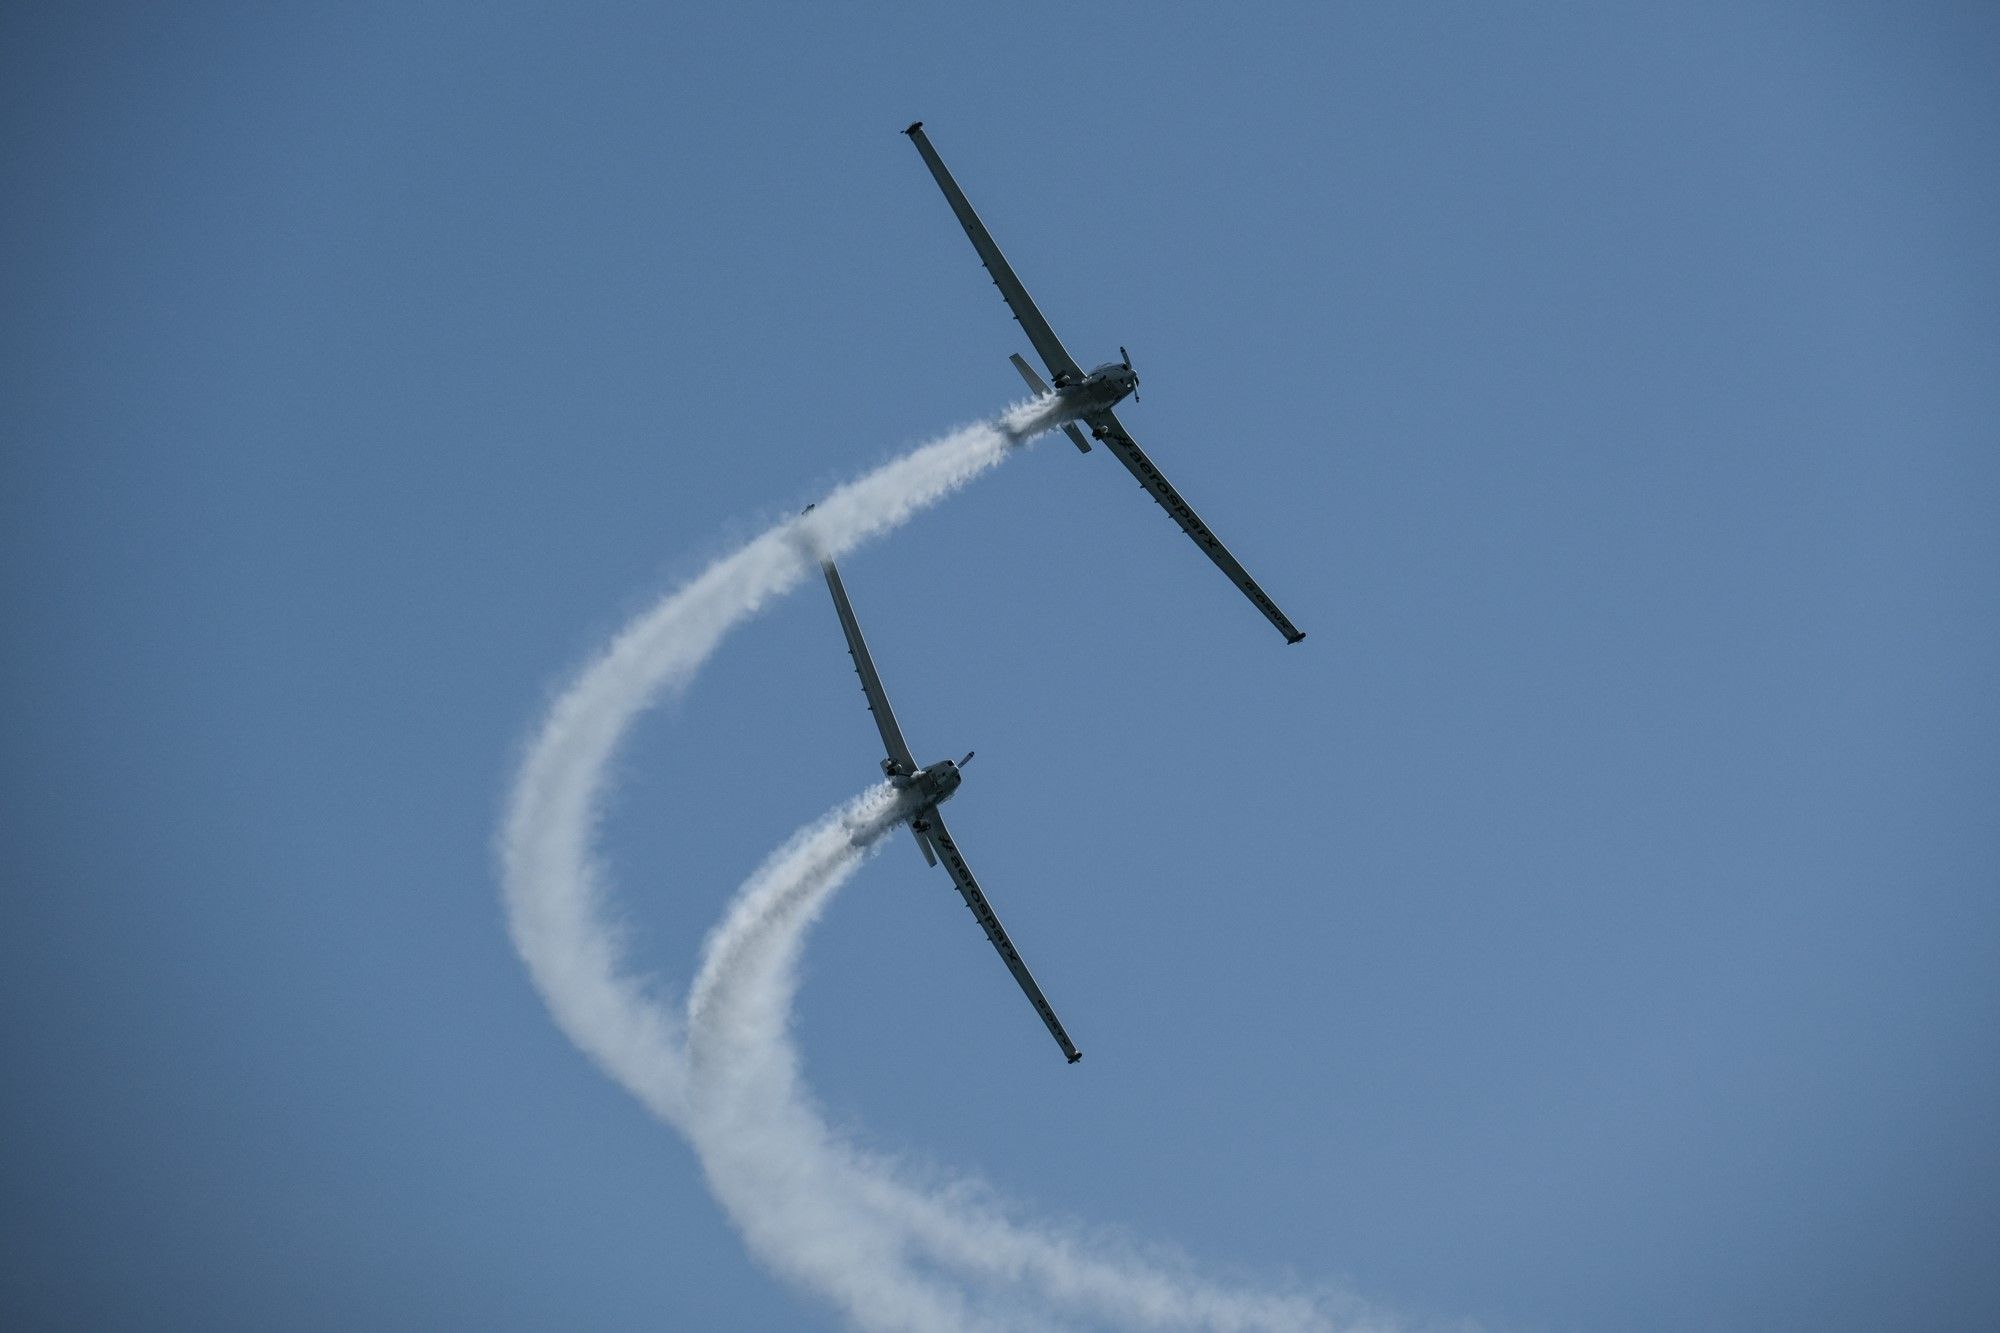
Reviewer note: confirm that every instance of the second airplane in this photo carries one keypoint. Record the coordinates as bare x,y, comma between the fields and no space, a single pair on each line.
921,789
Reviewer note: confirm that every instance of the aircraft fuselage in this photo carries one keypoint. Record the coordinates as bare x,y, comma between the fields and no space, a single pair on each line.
927,787
1099,391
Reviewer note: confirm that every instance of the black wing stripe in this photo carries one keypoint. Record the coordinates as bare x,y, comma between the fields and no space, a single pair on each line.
989,921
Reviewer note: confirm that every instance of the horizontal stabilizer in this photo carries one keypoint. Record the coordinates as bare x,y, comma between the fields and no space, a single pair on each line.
1028,374
1042,391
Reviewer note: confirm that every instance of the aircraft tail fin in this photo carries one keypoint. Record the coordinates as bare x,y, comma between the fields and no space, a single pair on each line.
1035,383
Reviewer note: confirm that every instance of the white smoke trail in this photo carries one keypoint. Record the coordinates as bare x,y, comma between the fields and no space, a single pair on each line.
889,1253
553,886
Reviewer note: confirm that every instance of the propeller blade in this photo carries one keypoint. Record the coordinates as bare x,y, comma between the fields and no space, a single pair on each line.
968,759
1128,357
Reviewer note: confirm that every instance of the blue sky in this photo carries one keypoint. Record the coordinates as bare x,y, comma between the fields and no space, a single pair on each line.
1593,924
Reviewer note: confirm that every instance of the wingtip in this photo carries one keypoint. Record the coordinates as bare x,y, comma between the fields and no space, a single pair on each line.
913,127
1074,1056
1296,638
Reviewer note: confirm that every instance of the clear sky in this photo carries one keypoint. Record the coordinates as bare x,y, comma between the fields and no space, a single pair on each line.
1592,925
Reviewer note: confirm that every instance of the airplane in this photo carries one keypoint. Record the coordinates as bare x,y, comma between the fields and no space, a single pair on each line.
1089,396
921,790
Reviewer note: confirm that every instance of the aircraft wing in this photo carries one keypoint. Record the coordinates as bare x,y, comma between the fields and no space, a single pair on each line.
1106,426
968,888
1062,366
864,667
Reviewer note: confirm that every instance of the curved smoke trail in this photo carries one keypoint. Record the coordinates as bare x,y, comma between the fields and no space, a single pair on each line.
847,1224
892,1253
552,884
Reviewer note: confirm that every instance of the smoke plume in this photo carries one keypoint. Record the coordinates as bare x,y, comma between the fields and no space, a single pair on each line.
856,1228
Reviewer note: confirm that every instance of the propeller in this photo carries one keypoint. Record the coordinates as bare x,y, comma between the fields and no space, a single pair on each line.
968,759
1135,374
